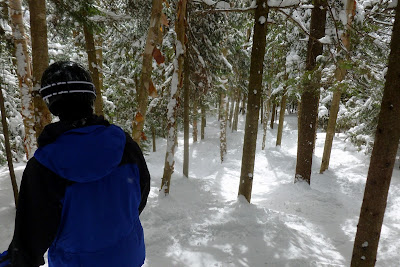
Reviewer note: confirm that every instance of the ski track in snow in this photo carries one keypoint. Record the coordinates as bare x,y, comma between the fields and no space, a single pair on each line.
203,223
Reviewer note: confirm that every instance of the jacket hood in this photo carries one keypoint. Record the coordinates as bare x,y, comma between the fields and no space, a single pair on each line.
84,154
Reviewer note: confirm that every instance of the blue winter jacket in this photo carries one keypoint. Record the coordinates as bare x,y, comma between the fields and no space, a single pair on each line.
101,175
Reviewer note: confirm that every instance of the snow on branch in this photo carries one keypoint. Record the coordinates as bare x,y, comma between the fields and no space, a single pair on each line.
272,4
296,21
108,15
283,3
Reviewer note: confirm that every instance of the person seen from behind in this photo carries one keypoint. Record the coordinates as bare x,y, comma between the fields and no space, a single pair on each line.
82,192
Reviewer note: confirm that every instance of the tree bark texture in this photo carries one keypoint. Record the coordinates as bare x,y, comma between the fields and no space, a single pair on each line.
186,121
195,115
219,106
223,110
203,120
330,130
232,108
93,68
40,60
8,148
266,117
236,112
273,113
262,110
227,108
244,104
298,115
173,102
147,68
24,75
99,58
253,105
310,95
153,135
281,118
382,161
340,74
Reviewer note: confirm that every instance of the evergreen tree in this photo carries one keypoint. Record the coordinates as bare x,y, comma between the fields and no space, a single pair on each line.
382,161
174,94
23,63
145,82
310,94
255,92
40,60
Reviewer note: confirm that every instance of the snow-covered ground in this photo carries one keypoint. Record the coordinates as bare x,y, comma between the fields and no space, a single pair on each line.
202,223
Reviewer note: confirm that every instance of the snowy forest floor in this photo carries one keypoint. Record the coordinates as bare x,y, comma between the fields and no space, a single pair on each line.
202,223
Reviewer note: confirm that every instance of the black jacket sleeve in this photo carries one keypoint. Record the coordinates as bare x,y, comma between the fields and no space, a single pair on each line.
134,154
38,214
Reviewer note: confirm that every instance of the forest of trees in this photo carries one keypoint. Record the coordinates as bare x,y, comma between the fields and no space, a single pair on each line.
160,66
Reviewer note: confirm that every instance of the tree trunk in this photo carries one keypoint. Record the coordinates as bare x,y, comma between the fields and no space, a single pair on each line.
266,117
340,74
262,110
232,108
153,135
219,105
223,110
330,130
227,108
173,102
93,68
382,161
244,104
273,113
147,68
24,76
236,113
40,60
186,121
195,115
203,119
281,118
8,148
298,115
310,95
253,105
99,59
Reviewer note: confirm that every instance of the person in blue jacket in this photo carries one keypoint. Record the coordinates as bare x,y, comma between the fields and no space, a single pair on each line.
83,190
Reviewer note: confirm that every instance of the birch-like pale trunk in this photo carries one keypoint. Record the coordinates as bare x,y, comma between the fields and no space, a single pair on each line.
340,75
174,95
254,95
147,68
24,75
40,60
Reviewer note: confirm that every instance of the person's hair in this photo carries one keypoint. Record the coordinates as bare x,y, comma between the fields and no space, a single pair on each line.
68,90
